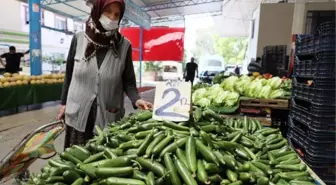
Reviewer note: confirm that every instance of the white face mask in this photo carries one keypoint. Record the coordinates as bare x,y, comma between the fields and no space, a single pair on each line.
107,23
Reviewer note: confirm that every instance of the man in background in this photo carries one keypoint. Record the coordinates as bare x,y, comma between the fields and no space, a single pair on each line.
255,66
190,69
13,60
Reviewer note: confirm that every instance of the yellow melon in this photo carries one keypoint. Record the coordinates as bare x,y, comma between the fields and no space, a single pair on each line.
6,84
7,75
25,82
19,82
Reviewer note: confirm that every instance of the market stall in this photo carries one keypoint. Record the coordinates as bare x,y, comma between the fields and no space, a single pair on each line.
21,90
260,96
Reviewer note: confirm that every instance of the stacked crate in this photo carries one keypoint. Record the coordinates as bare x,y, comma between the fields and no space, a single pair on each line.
312,112
275,60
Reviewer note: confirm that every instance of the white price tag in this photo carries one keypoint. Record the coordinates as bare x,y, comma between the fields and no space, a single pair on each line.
172,101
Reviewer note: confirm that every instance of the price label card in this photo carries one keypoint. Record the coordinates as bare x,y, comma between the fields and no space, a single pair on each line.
172,101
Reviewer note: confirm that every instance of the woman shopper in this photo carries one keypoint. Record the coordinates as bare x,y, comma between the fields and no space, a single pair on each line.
99,71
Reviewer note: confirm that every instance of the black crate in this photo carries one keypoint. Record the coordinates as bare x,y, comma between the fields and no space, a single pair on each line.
327,28
313,133
322,166
322,65
325,146
312,159
280,49
313,108
310,45
318,91
313,121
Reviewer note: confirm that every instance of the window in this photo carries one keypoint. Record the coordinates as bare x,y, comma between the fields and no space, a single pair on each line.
26,13
60,23
78,26
315,18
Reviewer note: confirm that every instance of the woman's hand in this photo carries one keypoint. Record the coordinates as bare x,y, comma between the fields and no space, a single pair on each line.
61,113
144,105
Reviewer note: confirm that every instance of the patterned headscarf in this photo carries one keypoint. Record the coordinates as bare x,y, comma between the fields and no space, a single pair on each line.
98,37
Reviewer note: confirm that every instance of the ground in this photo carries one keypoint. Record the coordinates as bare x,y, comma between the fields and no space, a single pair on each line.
15,127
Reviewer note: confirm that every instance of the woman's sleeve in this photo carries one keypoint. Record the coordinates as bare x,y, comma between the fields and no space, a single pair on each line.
69,69
128,76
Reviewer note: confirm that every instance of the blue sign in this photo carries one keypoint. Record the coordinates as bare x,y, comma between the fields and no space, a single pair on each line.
135,14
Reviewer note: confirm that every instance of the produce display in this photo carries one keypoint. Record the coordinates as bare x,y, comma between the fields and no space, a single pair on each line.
214,96
207,150
16,79
258,87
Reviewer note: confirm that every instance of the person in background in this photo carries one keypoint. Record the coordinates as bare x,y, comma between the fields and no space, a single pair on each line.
254,66
63,67
190,69
99,70
13,60
237,70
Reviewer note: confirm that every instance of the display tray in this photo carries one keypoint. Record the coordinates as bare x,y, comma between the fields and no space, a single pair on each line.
265,103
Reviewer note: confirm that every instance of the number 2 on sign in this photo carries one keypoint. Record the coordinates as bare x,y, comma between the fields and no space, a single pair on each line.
161,111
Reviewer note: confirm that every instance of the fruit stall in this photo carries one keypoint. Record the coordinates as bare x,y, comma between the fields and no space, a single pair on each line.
21,90
207,149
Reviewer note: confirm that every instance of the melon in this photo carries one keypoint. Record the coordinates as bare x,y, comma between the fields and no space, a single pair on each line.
15,74
12,79
27,78
33,82
19,82
6,84
25,82
7,75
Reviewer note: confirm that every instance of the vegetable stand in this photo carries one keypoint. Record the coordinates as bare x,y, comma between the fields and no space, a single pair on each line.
205,150
32,147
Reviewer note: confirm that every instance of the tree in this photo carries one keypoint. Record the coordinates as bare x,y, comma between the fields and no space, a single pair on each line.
209,43
231,49
204,43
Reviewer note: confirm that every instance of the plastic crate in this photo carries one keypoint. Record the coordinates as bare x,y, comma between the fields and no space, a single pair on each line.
280,49
323,167
313,133
322,146
311,158
319,91
321,65
316,109
327,28
310,45
317,122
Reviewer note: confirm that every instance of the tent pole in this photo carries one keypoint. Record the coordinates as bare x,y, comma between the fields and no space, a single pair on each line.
140,55
35,37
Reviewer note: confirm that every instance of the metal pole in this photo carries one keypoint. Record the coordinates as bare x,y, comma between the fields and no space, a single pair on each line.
35,37
140,55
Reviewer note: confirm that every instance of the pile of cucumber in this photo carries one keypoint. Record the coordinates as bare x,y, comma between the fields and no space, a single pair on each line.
206,150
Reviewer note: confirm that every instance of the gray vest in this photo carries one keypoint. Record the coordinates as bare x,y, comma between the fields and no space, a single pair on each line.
88,82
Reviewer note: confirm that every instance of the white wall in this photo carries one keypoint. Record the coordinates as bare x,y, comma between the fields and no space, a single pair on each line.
12,13
252,51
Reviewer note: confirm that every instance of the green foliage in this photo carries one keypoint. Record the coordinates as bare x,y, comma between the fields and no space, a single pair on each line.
209,43
152,66
232,49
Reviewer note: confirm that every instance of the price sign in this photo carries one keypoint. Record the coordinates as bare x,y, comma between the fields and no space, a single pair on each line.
172,101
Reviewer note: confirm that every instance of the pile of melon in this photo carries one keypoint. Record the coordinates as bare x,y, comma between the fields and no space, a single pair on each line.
47,79
15,79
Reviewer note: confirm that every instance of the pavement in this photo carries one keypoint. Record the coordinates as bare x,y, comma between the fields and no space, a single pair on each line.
15,127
